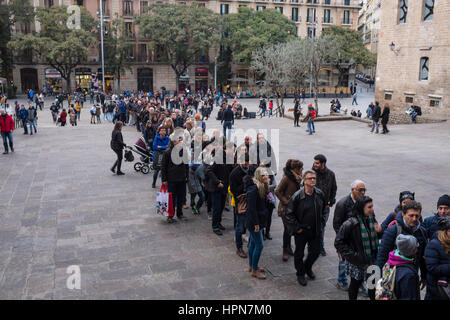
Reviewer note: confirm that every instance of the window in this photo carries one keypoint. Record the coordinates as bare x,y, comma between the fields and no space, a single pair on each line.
80,3
311,15
128,7
201,4
260,8
346,19
424,68
327,2
409,99
294,1
311,32
346,2
388,96
49,3
129,29
279,9
144,7
312,1
294,14
224,9
105,7
434,103
326,16
130,53
143,53
428,9
402,11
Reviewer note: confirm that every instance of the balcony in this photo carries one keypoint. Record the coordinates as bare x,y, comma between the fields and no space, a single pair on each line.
327,21
131,36
311,20
347,22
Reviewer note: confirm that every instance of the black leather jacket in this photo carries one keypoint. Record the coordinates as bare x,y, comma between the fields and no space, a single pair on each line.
294,211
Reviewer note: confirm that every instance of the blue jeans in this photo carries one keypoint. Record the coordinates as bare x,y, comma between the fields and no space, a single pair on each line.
201,199
255,247
78,115
226,125
25,126
155,175
218,203
9,136
239,229
32,124
310,126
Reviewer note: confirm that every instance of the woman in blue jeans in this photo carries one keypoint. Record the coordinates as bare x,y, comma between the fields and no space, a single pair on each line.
257,190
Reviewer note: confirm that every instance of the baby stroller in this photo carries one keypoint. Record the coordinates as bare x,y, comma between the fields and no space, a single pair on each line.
140,148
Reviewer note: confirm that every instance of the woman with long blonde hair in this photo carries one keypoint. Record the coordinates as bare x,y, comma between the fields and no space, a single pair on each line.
257,190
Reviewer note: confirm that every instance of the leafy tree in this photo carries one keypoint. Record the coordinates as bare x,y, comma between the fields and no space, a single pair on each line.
351,51
117,49
249,30
16,11
57,45
181,34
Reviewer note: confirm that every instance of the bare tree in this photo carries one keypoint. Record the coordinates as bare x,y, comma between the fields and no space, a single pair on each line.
298,58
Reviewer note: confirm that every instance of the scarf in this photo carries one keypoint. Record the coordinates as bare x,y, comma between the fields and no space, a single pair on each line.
413,229
369,237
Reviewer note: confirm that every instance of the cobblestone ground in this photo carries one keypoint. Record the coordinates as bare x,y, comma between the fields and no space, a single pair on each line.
60,206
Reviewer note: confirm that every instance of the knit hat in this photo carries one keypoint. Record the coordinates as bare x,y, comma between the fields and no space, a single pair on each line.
310,105
197,116
444,223
444,200
405,195
407,245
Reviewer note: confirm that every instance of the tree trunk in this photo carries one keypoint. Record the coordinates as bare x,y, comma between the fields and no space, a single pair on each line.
118,82
68,83
316,97
177,82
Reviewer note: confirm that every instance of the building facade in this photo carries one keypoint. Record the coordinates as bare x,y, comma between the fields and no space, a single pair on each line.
310,16
414,55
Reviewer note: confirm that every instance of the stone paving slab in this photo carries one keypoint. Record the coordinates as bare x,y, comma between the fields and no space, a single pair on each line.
60,205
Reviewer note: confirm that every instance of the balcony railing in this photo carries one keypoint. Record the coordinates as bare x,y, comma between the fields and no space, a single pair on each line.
311,20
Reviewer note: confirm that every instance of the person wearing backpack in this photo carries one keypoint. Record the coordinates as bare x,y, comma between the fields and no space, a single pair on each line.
357,243
402,199
310,118
437,259
406,280
407,223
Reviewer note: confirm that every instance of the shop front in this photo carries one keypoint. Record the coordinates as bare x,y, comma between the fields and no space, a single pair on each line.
183,83
201,79
53,81
83,78
109,81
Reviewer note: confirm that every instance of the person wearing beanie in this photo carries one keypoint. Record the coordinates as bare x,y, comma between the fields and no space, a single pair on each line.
407,286
437,258
443,210
403,197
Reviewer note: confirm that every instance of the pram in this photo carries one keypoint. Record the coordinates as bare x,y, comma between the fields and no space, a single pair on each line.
140,148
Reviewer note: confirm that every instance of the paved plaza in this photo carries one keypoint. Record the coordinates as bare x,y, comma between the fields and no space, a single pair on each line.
60,206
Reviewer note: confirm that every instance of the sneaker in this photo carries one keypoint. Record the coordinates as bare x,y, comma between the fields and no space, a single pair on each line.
6,152
120,173
194,209
113,170
171,220
185,206
342,286
182,218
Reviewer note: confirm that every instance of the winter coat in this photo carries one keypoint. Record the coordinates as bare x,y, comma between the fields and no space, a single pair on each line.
376,113
349,243
256,207
215,174
391,217
171,172
342,212
407,284
326,182
31,114
438,266
294,211
23,114
385,115
194,183
117,140
161,142
285,189
6,123
388,243
236,180
268,158
431,224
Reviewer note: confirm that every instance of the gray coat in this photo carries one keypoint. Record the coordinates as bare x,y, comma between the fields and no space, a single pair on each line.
194,183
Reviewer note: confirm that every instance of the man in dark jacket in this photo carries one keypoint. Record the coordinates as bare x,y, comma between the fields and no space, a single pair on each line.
376,116
216,183
227,120
175,176
23,116
305,214
407,223
326,182
431,223
404,197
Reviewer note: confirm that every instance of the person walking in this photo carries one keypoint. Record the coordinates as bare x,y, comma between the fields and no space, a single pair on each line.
289,184
23,116
31,119
55,111
160,144
305,213
354,96
326,182
385,118
175,176
369,111
357,242
117,146
437,259
6,130
93,112
270,108
342,212
297,112
227,121
310,119
257,190
63,117
375,117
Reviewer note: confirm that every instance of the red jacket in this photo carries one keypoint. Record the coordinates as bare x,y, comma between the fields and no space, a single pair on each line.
63,116
6,124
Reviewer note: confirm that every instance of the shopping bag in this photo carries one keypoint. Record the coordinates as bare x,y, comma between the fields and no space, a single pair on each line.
164,203
157,159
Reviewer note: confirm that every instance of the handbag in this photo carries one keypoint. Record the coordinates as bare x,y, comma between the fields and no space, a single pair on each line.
157,160
242,204
164,203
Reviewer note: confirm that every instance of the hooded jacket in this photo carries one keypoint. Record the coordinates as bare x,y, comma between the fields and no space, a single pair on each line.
407,285
438,266
388,244
6,123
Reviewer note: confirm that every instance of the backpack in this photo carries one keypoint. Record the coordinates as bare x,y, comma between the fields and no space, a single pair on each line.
313,114
384,289
129,156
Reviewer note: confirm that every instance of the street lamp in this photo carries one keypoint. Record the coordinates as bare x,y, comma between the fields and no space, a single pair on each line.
101,40
314,23
215,73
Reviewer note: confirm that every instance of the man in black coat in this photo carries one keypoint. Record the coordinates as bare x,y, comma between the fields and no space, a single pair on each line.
326,182
304,216
175,176
376,116
227,120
